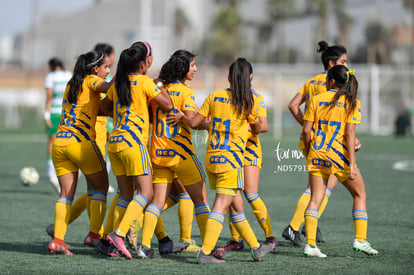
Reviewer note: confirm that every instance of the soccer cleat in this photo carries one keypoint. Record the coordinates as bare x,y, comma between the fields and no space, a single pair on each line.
221,255
131,238
145,252
262,251
319,237
232,246
364,247
292,235
272,241
50,230
55,247
119,243
53,180
92,239
167,246
102,247
192,246
313,251
208,259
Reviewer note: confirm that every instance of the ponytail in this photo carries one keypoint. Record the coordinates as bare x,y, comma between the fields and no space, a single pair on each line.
129,62
84,65
347,85
242,98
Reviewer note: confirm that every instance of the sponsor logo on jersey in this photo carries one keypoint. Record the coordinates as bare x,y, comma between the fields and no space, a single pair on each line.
321,162
64,134
116,139
165,153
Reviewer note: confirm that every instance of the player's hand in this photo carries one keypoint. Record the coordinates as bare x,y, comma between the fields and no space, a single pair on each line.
354,172
175,118
48,124
357,145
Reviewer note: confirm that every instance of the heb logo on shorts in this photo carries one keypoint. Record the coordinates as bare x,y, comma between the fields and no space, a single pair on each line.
165,153
116,139
321,162
218,159
64,134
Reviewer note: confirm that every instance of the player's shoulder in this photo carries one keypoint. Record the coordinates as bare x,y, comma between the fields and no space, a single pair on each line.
256,93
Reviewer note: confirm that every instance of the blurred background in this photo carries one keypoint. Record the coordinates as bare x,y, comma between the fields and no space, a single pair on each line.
279,37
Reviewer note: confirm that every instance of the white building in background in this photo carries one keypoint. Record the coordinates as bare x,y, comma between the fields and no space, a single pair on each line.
6,49
119,23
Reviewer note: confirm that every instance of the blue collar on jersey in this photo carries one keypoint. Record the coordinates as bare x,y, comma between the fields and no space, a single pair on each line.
324,72
175,82
228,89
333,91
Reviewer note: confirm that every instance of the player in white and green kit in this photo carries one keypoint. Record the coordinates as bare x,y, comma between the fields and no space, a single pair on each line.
55,84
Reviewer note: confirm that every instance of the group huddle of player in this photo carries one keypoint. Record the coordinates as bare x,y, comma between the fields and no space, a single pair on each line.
152,155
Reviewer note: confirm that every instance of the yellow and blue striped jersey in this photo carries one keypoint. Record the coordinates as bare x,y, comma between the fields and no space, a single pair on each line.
312,87
78,119
253,152
170,145
227,133
328,149
131,123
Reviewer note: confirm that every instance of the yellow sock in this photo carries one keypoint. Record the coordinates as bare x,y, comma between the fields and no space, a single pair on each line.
109,224
78,207
98,210
202,211
134,210
361,224
62,215
185,216
151,215
311,224
260,211
119,211
243,227
325,201
159,229
214,226
297,219
235,236
90,192
172,200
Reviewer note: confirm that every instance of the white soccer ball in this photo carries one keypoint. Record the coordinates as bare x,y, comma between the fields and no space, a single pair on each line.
29,176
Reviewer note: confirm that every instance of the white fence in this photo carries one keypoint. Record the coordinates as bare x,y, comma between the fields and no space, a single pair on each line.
384,92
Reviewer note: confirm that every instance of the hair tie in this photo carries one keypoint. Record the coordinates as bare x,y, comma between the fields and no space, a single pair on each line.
147,46
348,73
92,64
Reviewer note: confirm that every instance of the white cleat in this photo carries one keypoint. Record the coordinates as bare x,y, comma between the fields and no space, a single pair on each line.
364,247
311,251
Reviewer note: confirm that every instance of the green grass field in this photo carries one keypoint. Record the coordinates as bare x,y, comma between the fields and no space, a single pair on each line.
26,211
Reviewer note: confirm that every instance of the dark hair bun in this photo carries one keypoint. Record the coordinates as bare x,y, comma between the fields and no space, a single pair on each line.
322,46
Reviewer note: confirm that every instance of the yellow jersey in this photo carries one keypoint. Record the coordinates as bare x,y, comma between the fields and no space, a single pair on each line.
78,119
131,123
227,133
312,87
328,151
253,152
171,145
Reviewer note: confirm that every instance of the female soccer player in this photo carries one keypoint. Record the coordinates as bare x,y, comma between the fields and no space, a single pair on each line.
252,165
55,84
329,139
172,153
129,99
331,56
74,147
231,111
